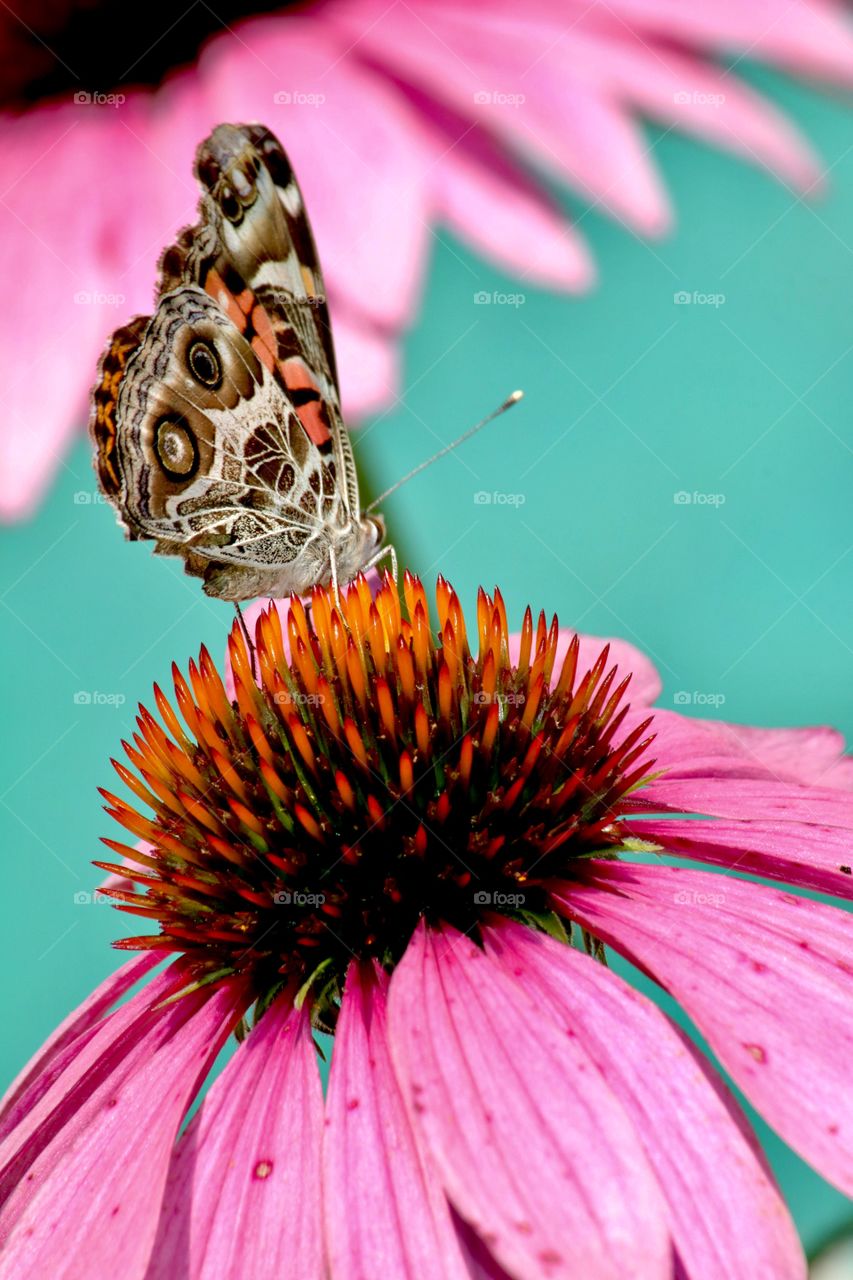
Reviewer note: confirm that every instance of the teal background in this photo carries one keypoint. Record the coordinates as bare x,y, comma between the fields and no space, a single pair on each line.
630,399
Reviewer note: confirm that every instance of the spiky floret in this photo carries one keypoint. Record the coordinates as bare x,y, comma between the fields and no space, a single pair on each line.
368,774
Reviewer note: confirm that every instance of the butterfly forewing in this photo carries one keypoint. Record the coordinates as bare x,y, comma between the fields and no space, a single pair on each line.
217,421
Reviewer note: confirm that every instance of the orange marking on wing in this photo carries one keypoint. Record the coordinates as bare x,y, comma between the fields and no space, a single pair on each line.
233,305
264,342
106,403
297,377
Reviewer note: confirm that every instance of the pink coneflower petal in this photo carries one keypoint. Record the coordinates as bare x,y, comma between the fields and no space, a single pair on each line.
369,365
371,145
84,1018
385,1213
693,1133
809,38
480,1263
677,85
761,799
493,202
242,1199
60,1099
552,1178
807,854
79,1224
778,953
571,127
699,749
586,139
814,754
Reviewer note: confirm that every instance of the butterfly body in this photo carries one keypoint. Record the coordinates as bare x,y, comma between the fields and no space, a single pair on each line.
217,421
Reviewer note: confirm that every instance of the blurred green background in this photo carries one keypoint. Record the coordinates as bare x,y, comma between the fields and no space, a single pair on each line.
739,399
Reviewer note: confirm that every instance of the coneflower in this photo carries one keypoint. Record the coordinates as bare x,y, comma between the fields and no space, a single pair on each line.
397,838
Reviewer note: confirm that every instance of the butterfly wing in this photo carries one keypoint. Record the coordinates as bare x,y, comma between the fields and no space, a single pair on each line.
217,421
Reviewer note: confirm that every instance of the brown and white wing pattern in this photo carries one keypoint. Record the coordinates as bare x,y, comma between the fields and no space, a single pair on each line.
217,421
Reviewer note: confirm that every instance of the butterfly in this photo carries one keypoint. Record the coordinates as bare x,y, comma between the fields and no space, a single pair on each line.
216,422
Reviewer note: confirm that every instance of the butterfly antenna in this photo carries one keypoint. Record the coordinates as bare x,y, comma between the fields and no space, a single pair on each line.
448,448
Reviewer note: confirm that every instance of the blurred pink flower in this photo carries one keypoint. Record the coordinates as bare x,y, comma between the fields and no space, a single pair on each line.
398,117
390,835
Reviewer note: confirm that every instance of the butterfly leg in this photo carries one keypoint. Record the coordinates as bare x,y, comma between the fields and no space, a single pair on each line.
248,639
389,551
333,566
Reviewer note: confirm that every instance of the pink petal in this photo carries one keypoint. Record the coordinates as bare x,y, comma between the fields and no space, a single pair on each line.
691,748
533,1149
584,138
814,754
766,976
243,1195
744,797
491,201
61,1098
678,89
361,138
805,35
694,1136
386,1213
86,274
645,683
808,854
83,1019
368,366
93,1205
